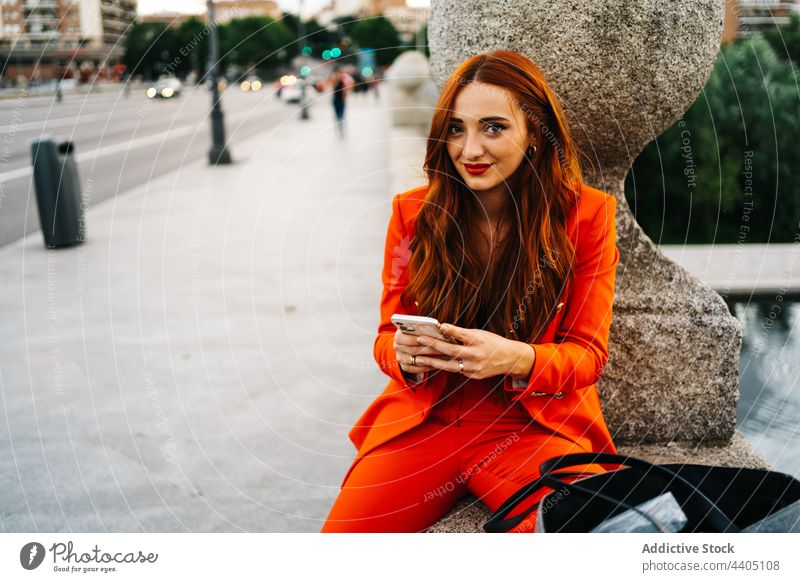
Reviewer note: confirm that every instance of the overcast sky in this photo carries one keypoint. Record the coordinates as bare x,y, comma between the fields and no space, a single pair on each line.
310,6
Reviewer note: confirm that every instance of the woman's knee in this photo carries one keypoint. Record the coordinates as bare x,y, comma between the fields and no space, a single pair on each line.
503,472
389,510
395,494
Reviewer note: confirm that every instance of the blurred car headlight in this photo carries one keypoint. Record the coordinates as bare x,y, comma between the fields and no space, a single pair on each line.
255,86
151,92
245,85
167,92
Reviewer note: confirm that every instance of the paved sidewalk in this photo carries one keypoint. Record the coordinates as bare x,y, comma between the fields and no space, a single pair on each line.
197,363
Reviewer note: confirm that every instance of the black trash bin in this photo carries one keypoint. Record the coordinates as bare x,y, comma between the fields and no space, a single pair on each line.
58,191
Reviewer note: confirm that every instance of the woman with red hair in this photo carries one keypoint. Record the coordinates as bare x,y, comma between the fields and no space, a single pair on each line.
517,258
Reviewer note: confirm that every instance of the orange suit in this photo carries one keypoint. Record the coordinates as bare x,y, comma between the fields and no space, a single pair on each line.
559,399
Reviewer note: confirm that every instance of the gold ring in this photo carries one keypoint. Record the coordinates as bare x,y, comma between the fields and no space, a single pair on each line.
414,360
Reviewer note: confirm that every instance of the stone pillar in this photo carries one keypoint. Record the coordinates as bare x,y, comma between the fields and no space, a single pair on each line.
412,93
625,70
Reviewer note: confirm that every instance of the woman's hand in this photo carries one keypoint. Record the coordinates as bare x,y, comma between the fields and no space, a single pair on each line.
483,354
406,345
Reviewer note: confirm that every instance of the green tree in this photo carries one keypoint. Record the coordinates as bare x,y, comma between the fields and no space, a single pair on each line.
379,34
785,40
292,24
193,41
344,26
149,48
421,38
318,36
726,171
255,41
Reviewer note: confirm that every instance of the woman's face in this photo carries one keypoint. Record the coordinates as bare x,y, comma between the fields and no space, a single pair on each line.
487,137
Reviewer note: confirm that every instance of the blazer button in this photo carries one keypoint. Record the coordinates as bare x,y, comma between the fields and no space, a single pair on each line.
558,395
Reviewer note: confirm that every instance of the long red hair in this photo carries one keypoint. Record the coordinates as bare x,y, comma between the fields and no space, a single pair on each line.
520,291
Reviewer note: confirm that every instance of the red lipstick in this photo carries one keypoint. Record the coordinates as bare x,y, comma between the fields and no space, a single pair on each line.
476,169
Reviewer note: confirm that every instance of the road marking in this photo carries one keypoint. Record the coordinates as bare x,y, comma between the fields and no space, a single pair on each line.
74,120
81,117
109,150
123,146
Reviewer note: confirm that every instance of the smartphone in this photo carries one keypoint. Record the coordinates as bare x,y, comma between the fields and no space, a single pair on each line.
418,325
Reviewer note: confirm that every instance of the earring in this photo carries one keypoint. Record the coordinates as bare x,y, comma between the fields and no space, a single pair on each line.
531,150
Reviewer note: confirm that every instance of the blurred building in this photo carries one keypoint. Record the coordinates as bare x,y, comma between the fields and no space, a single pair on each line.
730,25
760,15
227,10
324,15
381,6
173,19
362,7
38,38
346,7
406,19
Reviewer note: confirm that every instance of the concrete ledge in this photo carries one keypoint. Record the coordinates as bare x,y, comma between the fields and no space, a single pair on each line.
469,515
741,270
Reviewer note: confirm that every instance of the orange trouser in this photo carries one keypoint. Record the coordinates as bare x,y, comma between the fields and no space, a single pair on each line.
469,443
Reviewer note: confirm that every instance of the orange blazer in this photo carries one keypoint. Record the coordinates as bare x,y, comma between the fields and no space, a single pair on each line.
571,352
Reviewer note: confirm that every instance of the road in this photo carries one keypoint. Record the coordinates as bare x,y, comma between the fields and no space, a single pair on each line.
120,142
197,364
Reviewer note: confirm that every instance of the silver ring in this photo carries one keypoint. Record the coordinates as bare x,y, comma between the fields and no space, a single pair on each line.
414,360
460,366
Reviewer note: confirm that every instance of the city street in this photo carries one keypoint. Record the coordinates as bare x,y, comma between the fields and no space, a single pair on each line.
196,364
120,141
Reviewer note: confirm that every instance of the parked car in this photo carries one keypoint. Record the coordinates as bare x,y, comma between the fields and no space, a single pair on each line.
291,93
165,88
290,90
252,83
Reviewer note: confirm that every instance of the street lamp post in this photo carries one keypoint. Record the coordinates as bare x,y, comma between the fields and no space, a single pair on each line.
302,35
218,153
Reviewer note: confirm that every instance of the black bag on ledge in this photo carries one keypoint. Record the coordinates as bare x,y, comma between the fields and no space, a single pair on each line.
698,498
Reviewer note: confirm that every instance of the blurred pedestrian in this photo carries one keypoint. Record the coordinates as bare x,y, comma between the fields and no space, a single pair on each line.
372,85
341,83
